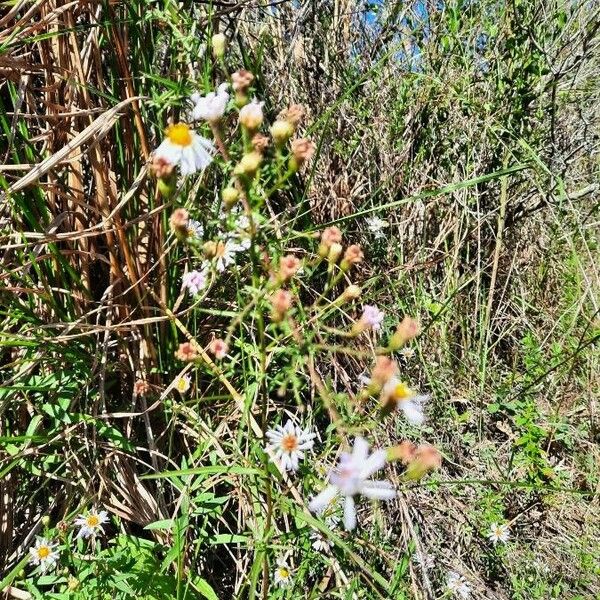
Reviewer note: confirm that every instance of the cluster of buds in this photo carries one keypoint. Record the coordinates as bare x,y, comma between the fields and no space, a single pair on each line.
230,196
418,460
281,302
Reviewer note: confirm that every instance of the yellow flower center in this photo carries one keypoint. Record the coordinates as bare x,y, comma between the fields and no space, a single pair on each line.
181,384
283,573
402,392
92,521
179,134
43,552
289,443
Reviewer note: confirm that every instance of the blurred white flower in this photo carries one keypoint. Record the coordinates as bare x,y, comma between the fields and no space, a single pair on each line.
283,573
185,148
376,225
499,533
457,585
91,524
351,477
408,401
210,107
289,444
44,554
424,560
182,383
194,281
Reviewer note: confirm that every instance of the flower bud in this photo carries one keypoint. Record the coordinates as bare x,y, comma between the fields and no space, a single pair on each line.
383,371
288,267
230,196
281,302
210,249
282,131
407,330
218,348
329,236
72,583
260,142
241,80
335,251
352,292
302,151
249,164
426,458
404,452
292,115
218,43
179,223
45,520
251,115
352,256
186,352
141,387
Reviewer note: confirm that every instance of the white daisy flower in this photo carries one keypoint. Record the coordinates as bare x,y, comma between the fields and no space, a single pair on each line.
372,317
226,252
195,229
424,560
351,477
283,573
289,444
376,225
407,353
319,542
183,383
194,281
457,585
185,148
499,533
91,524
44,554
211,107
408,401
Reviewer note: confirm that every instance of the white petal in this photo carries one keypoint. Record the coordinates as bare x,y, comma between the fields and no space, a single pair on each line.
360,450
349,513
378,490
320,502
372,464
412,412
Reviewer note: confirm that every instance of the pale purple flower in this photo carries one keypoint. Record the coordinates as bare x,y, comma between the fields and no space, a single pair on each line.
351,477
91,524
372,316
194,281
457,585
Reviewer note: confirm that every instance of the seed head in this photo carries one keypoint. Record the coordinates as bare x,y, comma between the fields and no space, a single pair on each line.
302,151
179,222
218,348
288,267
260,142
241,80
186,352
352,256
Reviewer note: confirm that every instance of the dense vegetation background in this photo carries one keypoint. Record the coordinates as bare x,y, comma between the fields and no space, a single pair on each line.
471,128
